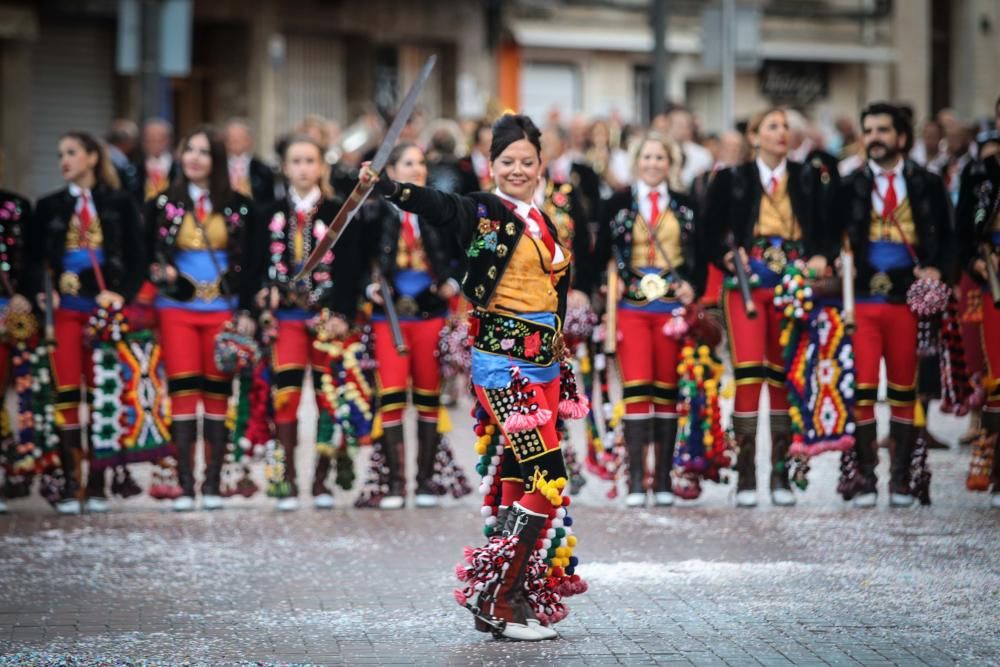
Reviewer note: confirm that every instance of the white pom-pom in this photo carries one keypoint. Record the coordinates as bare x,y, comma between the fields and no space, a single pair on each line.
561,513
550,533
486,510
484,489
546,544
557,523
490,520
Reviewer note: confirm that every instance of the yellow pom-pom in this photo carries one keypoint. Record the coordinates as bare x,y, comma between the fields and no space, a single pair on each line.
571,540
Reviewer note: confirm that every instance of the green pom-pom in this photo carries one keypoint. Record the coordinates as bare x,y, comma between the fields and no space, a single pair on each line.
560,533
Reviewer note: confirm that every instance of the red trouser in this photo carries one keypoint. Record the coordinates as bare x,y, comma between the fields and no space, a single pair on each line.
420,365
889,331
755,348
72,364
292,353
648,360
991,350
188,341
513,487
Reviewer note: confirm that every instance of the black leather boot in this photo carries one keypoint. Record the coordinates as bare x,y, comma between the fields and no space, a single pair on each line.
638,433
216,438
664,442
902,438
745,430
781,441
427,449
394,452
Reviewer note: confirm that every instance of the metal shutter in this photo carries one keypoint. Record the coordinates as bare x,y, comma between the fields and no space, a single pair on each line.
71,89
316,81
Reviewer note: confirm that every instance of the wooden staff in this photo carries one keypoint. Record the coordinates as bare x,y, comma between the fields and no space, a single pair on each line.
847,283
611,311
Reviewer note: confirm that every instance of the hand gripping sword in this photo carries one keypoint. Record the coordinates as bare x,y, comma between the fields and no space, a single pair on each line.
363,189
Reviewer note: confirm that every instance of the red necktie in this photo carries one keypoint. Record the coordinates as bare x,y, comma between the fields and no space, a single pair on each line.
774,185
543,232
409,233
654,217
86,219
889,202
200,209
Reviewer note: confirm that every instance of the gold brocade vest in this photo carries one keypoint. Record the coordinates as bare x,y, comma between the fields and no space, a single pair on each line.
776,215
668,233
94,237
882,229
410,255
155,184
528,284
191,237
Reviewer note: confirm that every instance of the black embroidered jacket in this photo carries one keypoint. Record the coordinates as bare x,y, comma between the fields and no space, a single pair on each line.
485,227
124,265
978,208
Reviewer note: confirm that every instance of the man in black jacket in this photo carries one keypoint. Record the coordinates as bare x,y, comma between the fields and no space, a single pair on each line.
898,220
247,174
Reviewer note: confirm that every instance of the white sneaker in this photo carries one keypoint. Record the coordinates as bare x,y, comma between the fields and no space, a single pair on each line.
97,505
212,503
995,502
866,500
635,500
323,501
3,506
523,633
747,498
425,500
68,506
782,498
391,503
289,504
546,632
663,499
183,504
900,500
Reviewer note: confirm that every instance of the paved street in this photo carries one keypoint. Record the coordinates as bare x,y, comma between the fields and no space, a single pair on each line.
705,584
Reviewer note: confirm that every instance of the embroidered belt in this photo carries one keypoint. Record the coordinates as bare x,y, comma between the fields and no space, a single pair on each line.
511,336
776,256
207,290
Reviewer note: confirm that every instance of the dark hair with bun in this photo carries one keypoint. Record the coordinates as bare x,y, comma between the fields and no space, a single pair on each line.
510,128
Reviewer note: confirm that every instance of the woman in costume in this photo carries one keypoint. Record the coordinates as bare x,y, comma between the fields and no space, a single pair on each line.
87,235
762,213
517,281
197,232
650,232
415,259
330,293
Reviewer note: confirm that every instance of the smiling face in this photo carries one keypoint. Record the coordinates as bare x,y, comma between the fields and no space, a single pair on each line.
411,167
303,166
652,164
196,160
75,164
516,170
771,137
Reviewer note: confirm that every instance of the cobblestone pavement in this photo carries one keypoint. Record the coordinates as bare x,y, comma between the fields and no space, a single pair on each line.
702,584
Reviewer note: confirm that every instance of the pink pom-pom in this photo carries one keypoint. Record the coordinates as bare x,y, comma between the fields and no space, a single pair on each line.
460,597
517,422
468,553
541,417
461,572
675,328
574,409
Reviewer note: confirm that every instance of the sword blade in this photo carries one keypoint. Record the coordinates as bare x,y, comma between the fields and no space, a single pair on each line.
361,192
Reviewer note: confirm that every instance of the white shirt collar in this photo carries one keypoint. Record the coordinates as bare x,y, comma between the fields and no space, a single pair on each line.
305,203
76,191
163,160
643,190
522,209
241,159
879,171
766,173
195,193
